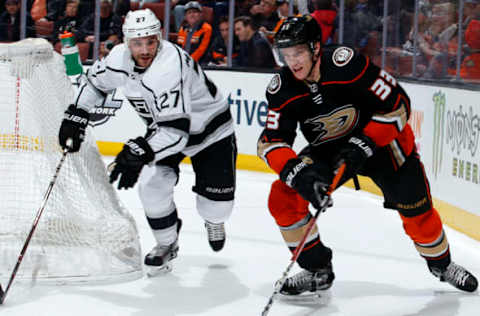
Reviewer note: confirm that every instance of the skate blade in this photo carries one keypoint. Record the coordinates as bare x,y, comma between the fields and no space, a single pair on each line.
156,271
307,299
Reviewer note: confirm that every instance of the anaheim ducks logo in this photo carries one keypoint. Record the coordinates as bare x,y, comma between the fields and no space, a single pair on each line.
335,124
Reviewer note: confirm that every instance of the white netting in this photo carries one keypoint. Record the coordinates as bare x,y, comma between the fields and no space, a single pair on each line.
85,234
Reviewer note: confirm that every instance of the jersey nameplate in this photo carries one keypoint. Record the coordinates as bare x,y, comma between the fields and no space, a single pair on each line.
342,56
275,84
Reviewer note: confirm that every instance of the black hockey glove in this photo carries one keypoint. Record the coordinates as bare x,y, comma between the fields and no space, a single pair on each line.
73,127
310,179
129,162
354,153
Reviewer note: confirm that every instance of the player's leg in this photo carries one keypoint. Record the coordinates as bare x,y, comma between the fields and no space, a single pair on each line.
156,194
407,190
214,169
291,214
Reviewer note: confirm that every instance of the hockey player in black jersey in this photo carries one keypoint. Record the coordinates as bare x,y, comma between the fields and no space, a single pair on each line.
351,111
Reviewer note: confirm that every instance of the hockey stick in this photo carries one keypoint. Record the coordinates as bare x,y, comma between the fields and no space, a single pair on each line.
3,294
311,224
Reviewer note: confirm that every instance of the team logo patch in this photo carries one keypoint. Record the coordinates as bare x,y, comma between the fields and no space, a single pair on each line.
274,84
342,55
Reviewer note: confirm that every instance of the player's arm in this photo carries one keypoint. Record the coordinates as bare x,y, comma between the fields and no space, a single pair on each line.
275,148
381,96
388,102
102,78
168,99
274,145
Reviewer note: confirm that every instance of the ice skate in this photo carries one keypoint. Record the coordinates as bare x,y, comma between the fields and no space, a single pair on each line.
216,235
457,276
310,283
158,260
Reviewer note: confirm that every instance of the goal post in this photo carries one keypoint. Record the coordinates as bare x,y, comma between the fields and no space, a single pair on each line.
85,233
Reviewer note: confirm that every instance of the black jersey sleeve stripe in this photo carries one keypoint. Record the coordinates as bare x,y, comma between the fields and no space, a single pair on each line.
170,146
182,124
181,76
151,91
117,70
210,128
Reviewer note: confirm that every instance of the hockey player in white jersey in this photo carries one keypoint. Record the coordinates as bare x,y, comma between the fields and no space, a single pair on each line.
185,115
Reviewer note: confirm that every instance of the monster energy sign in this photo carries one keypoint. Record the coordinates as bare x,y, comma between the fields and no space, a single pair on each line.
459,128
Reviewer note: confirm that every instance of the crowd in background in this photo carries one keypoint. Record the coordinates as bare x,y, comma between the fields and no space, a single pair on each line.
423,39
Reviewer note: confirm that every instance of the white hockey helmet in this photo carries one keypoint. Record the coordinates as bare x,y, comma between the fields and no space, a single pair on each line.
141,23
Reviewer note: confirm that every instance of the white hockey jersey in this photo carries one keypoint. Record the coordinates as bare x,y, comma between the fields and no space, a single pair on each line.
183,110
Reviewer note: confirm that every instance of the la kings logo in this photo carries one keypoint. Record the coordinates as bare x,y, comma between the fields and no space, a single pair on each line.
101,113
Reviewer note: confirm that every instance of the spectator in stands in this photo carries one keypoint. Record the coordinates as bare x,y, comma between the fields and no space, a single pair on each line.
471,10
86,8
283,11
255,51
10,22
439,42
195,35
360,24
70,21
110,24
265,16
324,13
470,68
219,45
55,10
121,7
220,8
242,7
39,9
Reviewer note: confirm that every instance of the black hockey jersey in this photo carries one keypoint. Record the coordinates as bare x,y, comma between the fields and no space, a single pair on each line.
353,96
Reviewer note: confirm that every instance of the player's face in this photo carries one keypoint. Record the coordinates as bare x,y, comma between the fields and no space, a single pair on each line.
298,59
144,49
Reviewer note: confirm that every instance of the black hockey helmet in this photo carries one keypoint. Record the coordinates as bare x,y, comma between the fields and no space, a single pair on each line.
298,30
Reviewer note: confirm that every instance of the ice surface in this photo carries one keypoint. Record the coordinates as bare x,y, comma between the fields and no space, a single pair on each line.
378,270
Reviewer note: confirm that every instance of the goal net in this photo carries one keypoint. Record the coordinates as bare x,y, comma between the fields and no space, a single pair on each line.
85,234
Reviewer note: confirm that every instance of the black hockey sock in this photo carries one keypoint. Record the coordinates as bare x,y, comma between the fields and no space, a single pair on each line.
315,255
439,263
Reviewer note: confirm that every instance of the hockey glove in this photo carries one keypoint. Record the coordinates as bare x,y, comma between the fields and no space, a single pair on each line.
354,153
73,127
310,179
129,162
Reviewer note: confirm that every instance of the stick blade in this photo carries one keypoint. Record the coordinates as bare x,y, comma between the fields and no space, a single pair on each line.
2,294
